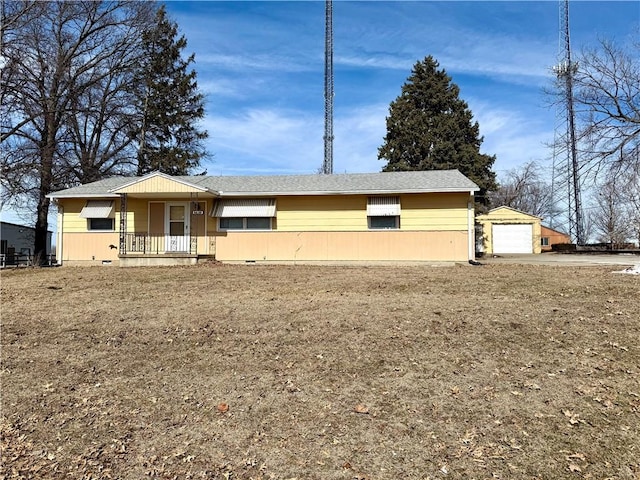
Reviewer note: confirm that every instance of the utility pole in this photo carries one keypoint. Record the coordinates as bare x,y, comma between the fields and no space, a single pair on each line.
327,166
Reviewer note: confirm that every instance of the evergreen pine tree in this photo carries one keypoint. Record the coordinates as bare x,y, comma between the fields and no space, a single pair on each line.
430,128
170,104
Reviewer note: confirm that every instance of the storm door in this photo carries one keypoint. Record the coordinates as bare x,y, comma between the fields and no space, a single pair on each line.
177,227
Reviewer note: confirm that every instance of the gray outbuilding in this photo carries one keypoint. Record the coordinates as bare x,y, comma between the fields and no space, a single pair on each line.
16,243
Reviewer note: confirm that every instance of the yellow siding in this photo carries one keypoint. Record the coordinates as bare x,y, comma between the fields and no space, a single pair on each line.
447,211
322,213
334,228
156,218
136,215
320,228
71,210
87,248
81,246
158,185
502,216
73,223
434,211
507,215
387,245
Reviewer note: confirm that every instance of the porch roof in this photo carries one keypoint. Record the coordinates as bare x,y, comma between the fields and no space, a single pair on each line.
157,182
271,185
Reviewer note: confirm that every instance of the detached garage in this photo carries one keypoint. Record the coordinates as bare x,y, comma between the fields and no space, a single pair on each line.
506,230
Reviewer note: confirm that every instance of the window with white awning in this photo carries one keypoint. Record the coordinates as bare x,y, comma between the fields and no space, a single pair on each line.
383,213
383,206
244,208
98,209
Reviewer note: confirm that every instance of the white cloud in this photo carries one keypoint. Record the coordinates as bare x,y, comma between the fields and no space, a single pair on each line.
257,62
374,61
265,141
514,138
465,38
502,57
358,134
523,62
227,87
269,141
243,63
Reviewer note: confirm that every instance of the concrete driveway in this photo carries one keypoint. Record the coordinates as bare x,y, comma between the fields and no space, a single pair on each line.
565,259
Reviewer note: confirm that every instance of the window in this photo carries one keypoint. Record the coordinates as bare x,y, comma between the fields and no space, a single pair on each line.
99,215
382,223
383,213
258,223
245,213
100,224
544,241
231,223
245,223
245,207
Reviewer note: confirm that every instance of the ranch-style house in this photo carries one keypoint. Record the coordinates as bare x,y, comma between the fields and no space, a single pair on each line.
158,219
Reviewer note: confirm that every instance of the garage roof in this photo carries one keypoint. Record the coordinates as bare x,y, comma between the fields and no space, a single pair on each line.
505,211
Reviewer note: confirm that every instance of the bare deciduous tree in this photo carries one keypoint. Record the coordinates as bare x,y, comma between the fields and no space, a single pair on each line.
607,93
101,131
524,189
630,192
608,215
58,59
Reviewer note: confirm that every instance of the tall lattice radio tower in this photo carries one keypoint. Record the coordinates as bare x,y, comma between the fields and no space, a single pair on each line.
566,168
327,165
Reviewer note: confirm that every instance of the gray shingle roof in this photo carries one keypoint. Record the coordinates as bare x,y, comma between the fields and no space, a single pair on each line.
347,183
95,189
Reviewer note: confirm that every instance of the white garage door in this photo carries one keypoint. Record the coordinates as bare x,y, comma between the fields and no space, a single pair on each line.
513,238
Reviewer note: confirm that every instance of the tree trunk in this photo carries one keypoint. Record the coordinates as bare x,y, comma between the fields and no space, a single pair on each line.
45,187
41,229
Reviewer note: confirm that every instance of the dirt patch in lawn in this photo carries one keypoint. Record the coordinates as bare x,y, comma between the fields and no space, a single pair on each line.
272,372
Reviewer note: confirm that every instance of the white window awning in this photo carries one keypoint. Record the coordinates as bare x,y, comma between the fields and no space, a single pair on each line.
245,207
383,206
97,209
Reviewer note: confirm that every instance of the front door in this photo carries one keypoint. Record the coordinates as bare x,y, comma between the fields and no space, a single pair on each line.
177,227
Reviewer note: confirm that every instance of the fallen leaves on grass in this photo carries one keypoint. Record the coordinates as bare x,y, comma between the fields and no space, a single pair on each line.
92,387
573,417
577,456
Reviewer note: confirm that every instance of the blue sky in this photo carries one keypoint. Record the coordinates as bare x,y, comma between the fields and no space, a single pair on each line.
261,66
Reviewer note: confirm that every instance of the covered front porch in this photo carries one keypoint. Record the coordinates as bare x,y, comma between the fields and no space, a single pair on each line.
164,221
143,249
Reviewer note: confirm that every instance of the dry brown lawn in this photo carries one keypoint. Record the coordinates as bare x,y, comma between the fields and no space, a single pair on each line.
272,372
